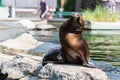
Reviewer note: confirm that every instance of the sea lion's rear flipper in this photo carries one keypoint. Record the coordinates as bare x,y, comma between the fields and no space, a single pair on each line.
54,55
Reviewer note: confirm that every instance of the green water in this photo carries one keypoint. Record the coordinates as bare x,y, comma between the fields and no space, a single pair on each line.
104,45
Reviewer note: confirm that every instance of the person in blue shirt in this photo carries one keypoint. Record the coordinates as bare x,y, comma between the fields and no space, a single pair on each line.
43,9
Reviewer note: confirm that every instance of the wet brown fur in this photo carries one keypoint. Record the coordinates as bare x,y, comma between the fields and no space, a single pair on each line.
72,43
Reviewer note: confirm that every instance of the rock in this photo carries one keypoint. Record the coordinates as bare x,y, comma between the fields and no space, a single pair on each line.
27,23
44,48
29,68
21,44
20,65
38,34
26,44
66,72
28,65
10,30
72,72
45,26
5,57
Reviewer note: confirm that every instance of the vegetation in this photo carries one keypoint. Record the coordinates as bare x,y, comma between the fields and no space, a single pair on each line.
70,5
85,4
89,4
100,14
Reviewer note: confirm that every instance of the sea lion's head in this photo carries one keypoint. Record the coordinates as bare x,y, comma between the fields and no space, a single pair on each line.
75,24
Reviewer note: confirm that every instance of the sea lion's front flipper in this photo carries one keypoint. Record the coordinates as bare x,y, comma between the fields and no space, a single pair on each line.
90,65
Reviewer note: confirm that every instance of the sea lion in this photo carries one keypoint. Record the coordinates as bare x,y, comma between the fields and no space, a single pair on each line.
73,45
74,49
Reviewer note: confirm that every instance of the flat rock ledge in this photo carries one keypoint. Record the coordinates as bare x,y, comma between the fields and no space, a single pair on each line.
73,72
20,44
10,30
29,67
26,44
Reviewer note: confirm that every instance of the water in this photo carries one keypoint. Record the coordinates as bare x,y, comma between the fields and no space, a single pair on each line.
104,44
46,36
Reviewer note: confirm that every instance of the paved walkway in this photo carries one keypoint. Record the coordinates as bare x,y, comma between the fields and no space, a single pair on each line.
27,14
106,25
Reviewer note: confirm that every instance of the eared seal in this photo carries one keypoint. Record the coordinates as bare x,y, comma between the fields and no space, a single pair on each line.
74,49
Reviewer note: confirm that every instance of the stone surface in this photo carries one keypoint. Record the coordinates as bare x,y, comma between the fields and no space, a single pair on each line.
25,43
45,26
74,72
20,65
10,30
27,23
31,25
30,67
21,44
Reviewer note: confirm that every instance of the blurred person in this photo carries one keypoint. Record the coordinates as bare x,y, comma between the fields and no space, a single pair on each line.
43,9
49,15
10,11
111,5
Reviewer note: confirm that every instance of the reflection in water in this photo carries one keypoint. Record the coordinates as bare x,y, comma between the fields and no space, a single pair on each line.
41,32
46,35
104,44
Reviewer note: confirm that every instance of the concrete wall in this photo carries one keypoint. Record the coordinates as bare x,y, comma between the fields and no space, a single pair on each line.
8,2
26,3
3,12
22,3
51,3
29,3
